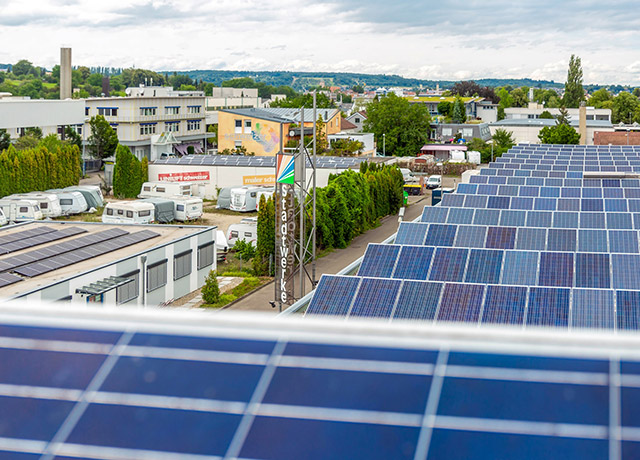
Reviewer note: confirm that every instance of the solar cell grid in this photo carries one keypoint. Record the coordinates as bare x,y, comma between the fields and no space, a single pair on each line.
504,305
486,217
411,233
513,218
375,298
460,216
448,264
461,302
548,307
556,269
418,300
623,241
561,239
501,237
471,236
592,309
441,235
531,238
434,214
413,262
333,296
379,260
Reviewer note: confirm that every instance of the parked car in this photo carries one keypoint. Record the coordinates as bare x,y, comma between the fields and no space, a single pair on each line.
434,181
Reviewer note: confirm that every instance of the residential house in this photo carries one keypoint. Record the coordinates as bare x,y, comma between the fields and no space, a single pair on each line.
358,119
443,132
475,107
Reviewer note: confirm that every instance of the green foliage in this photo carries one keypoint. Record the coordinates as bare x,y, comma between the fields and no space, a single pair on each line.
546,115
266,244
405,125
459,114
39,168
599,97
305,100
573,91
520,98
357,89
559,134
33,131
563,117
103,140
346,147
144,170
26,142
625,108
5,140
73,137
211,290
445,108
127,174
22,67
503,139
246,250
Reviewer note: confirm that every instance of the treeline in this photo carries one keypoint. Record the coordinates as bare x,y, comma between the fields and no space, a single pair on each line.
39,169
349,205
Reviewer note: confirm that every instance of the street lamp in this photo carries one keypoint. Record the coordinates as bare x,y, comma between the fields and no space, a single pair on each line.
384,145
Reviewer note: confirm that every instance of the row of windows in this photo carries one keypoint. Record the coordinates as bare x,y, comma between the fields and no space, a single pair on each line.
144,111
247,127
157,273
193,125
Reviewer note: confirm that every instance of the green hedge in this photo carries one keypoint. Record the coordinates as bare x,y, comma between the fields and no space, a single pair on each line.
39,169
128,173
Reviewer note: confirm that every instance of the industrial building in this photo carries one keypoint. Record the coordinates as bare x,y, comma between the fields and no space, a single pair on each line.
128,265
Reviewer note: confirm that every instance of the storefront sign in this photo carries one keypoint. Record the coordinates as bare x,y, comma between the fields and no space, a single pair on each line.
184,176
285,230
268,179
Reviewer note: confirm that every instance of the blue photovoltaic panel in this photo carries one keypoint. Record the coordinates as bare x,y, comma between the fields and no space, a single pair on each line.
334,295
548,307
529,191
626,271
498,202
623,241
413,263
568,204
534,239
592,205
501,237
628,310
520,268
418,300
539,219
513,218
460,216
473,201
592,271
441,235
592,309
634,205
571,192
505,305
484,266
556,269
561,239
452,200
411,233
375,298
592,220
486,217
471,236
615,205
487,189
613,193
619,221
379,260
467,189
565,219
545,204
448,264
436,214
508,190
591,193
461,302
522,203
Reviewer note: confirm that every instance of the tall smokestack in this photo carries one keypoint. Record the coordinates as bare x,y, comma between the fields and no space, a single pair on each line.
583,123
65,73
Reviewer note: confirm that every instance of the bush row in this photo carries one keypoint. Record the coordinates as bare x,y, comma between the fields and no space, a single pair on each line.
129,173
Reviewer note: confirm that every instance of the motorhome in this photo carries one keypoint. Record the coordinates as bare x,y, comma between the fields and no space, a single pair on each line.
224,198
128,212
70,202
187,208
165,189
246,198
92,194
20,209
49,202
3,219
246,230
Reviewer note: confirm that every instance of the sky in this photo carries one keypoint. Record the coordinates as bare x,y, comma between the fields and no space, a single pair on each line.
446,39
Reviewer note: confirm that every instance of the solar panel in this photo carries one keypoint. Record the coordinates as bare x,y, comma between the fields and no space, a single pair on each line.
471,236
24,233
412,233
334,295
7,279
413,263
48,237
460,216
592,241
628,310
592,309
531,238
556,269
461,302
484,266
448,264
520,268
548,307
623,241
501,237
441,235
379,260
561,239
435,214
418,300
504,305
375,298
625,271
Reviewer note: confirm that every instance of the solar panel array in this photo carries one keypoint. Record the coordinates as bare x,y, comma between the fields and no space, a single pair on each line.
36,240
142,391
323,162
537,251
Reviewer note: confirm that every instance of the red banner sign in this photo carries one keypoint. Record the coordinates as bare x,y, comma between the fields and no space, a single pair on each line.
184,176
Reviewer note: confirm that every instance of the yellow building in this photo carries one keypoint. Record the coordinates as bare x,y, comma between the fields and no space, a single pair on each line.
259,131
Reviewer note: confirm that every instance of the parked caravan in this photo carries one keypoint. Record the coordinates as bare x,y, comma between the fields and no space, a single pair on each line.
245,199
92,194
3,220
49,202
20,209
224,198
165,189
222,247
128,212
70,202
246,230
164,211
187,208
267,193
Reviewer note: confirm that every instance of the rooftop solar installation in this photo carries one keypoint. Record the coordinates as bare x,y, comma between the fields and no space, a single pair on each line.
36,240
257,161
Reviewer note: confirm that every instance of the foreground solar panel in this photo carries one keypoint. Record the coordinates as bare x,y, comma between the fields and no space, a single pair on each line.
167,385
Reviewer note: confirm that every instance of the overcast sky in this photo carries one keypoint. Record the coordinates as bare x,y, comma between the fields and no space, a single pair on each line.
446,39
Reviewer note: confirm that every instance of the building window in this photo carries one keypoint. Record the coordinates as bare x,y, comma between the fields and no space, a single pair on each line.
357,120
147,129
247,126
193,125
86,111
108,111
147,111
446,131
467,133
182,265
237,144
171,110
156,275
205,255
171,127
144,213
238,126
129,291
193,109
114,126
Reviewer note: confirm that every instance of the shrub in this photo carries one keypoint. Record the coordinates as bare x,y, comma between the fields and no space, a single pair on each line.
211,290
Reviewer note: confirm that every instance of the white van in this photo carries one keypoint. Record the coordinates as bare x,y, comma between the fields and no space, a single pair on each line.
128,212
49,202
70,202
246,230
3,219
187,208
20,209
165,189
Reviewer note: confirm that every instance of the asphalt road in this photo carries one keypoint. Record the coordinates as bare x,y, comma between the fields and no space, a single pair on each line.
339,258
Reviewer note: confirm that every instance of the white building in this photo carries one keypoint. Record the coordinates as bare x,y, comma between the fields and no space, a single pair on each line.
533,112
51,116
526,130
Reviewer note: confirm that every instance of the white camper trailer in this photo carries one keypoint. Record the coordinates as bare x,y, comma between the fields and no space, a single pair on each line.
222,248
224,198
70,202
49,202
3,219
246,230
92,194
187,208
165,189
245,199
20,209
128,212
267,193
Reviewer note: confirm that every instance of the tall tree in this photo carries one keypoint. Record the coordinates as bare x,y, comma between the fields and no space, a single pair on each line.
103,140
599,97
625,108
503,139
459,113
573,91
5,140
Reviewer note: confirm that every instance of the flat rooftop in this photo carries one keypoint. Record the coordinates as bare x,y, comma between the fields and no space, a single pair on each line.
92,245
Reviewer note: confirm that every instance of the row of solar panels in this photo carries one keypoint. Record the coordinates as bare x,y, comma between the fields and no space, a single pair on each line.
257,161
29,240
574,172
631,166
555,182
574,161
395,299
543,204
548,191
577,149
505,267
